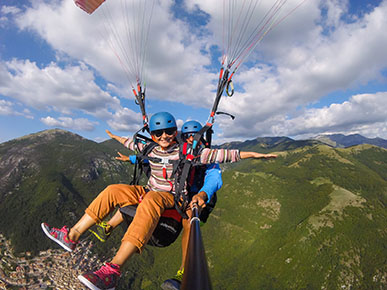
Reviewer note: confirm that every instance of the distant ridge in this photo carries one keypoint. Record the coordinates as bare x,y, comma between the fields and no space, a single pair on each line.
269,144
343,141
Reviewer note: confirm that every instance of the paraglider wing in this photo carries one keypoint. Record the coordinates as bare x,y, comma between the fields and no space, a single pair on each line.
88,6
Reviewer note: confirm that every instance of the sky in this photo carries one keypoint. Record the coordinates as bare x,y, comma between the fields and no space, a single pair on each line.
322,70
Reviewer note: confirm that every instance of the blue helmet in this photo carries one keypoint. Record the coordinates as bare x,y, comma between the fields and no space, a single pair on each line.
191,127
162,120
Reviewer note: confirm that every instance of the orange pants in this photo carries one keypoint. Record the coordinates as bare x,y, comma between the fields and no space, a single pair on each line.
148,211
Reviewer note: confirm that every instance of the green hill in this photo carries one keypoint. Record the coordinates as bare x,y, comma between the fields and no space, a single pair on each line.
51,176
314,218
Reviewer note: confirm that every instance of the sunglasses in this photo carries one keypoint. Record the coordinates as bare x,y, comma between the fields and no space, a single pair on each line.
187,135
169,131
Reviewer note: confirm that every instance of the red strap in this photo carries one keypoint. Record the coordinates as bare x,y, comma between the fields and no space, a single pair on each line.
221,73
185,145
192,176
142,197
166,177
172,213
190,157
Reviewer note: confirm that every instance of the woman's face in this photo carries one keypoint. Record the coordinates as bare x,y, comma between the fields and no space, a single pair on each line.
165,139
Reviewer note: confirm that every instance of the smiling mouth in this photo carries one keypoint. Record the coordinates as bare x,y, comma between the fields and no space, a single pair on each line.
167,139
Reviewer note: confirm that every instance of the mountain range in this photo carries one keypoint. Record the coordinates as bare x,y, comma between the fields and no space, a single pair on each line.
313,218
342,141
285,143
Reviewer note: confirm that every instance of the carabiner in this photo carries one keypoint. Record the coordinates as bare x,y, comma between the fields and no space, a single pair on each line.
230,85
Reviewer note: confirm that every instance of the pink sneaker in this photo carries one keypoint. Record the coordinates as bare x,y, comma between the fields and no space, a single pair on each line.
105,278
60,236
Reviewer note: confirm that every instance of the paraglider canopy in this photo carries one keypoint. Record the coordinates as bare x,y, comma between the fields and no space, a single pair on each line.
88,6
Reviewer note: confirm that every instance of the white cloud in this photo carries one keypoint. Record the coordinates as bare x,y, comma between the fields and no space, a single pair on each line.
54,88
69,123
177,71
8,108
335,10
364,114
179,123
6,12
66,90
3,21
9,10
125,120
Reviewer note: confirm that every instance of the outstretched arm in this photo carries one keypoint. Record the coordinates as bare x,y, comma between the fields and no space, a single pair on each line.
131,158
208,156
115,137
126,141
123,157
245,155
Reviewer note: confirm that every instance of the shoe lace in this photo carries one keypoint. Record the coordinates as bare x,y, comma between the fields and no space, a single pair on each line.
105,270
179,275
65,230
105,226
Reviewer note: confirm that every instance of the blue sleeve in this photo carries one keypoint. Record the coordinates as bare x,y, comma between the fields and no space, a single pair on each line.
212,180
133,159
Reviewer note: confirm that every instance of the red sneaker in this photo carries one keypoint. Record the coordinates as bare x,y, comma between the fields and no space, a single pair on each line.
60,236
105,278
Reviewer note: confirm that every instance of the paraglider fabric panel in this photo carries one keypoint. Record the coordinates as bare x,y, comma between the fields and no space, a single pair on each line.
88,5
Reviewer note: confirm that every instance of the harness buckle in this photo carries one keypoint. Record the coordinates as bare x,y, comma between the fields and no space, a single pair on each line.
164,161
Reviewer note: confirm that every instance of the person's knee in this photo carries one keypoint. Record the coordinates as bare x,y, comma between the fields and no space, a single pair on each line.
150,204
151,207
153,199
112,187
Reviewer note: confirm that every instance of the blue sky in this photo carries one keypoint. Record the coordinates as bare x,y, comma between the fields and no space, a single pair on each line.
322,70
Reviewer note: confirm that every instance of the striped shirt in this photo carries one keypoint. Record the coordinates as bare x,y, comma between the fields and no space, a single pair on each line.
209,156
158,181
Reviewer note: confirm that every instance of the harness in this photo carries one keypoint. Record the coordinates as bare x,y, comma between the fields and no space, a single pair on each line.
184,172
142,158
183,183
189,175
140,166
